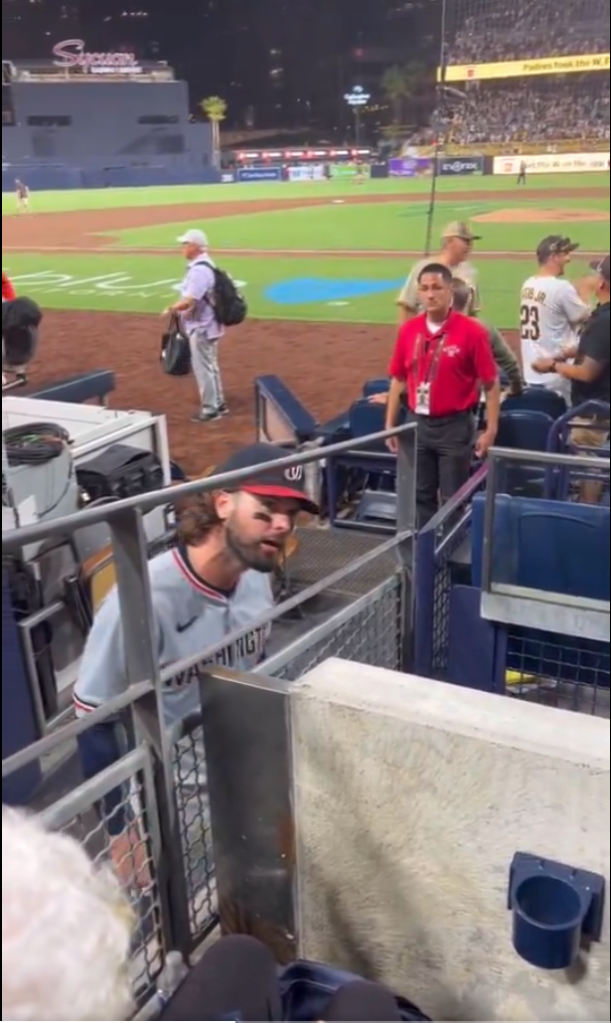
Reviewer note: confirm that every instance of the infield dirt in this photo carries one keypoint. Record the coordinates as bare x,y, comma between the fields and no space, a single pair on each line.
325,364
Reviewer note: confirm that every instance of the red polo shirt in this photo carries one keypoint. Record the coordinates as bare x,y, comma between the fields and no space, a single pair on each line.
455,361
8,291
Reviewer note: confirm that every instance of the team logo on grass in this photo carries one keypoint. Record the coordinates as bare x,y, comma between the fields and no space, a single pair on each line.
308,290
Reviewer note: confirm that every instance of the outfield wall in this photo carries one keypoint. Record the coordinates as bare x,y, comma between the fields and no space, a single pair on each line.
113,173
104,124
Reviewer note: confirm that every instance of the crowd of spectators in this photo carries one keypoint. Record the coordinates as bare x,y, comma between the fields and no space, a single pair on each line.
520,30
532,110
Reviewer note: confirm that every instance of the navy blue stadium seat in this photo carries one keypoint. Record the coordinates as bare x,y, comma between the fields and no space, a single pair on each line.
365,419
271,390
523,429
556,546
376,386
536,399
335,430
93,386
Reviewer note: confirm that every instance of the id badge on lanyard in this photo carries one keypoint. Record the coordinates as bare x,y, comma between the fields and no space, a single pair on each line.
423,389
423,400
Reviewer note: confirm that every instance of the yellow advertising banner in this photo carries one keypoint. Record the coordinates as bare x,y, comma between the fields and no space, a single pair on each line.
525,68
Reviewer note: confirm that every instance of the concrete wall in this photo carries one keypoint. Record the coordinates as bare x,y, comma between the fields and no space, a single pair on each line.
105,127
411,799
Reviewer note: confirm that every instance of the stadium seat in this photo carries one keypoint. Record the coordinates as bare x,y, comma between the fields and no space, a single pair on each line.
272,393
523,431
536,399
365,419
93,386
556,546
376,386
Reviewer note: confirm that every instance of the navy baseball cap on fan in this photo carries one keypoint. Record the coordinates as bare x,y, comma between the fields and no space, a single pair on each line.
555,245
602,267
289,482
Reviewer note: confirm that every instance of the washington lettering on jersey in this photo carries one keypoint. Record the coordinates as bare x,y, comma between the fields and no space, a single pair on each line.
190,617
247,648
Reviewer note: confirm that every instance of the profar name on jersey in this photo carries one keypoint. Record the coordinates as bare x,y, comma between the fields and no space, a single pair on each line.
532,295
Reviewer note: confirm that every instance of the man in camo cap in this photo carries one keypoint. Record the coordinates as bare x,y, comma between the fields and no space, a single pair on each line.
457,244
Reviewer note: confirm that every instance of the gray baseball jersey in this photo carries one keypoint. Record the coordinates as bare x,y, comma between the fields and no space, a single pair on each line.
189,617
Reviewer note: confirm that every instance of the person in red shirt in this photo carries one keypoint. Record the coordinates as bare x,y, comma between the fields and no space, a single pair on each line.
441,363
8,291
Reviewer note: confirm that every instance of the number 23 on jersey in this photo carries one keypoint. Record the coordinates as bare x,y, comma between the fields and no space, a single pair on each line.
530,322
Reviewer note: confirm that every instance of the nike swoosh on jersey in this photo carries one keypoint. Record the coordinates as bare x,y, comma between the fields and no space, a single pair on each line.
184,627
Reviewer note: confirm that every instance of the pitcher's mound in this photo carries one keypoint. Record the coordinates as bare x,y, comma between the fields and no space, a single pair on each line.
538,215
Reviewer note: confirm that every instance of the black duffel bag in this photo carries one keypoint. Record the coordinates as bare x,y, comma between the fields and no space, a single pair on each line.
175,351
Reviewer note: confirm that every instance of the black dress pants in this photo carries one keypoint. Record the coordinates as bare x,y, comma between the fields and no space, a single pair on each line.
237,979
445,450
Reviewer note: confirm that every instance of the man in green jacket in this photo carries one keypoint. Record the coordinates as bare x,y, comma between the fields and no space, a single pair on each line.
503,355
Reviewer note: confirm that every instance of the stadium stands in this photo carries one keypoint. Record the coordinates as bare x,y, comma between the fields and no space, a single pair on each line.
520,30
543,110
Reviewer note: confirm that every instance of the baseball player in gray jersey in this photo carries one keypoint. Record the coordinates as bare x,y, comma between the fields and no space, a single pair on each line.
216,581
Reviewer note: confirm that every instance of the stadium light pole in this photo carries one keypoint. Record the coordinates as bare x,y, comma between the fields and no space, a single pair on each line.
439,96
357,99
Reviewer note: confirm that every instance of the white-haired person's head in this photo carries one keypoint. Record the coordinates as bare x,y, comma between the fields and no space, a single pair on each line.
66,929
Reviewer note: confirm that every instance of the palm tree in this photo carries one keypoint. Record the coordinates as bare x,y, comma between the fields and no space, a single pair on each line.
215,109
394,88
399,83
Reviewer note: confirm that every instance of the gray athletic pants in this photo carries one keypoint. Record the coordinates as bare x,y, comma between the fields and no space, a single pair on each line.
205,363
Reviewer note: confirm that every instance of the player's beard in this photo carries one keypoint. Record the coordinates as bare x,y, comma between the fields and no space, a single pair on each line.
250,554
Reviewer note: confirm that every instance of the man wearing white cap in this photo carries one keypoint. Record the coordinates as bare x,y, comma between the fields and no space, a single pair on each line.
196,311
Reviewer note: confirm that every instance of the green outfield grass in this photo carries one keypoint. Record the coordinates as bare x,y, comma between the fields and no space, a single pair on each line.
391,226
304,287
109,198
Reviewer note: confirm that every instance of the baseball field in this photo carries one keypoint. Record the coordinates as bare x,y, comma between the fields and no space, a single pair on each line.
320,264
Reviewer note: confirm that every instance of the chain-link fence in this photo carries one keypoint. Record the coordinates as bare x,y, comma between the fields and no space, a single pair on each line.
134,854
369,631
195,826
572,674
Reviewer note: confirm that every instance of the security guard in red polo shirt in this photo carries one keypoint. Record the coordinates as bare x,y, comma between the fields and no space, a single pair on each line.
442,360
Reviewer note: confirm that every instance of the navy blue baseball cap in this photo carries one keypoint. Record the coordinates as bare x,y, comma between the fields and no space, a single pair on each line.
289,482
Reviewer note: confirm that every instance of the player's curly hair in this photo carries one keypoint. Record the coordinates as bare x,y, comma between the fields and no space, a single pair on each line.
196,518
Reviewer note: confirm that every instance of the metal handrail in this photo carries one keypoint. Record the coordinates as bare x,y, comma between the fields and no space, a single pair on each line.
25,535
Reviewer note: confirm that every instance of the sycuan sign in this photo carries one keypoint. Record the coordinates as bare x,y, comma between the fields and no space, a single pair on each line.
72,55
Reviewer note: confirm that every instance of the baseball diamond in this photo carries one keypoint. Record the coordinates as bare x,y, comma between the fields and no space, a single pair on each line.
320,271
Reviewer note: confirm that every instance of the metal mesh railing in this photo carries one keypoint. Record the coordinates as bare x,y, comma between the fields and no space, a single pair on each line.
194,826
439,551
368,632
558,672
132,855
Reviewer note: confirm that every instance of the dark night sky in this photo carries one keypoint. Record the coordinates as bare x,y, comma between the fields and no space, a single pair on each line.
289,61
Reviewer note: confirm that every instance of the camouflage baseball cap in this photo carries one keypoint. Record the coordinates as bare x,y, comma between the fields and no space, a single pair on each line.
555,245
460,229
602,267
